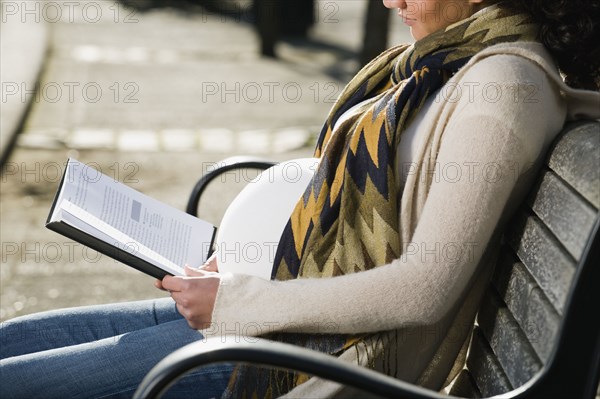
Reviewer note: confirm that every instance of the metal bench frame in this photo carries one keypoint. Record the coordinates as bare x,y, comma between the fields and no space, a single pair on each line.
571,371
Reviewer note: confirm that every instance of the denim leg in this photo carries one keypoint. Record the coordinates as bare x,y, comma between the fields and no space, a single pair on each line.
65,327
111,366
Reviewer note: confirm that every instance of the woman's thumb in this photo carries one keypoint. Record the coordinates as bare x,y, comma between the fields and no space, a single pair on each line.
193,272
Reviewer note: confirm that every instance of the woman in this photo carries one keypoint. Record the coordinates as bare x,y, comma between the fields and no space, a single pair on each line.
427,151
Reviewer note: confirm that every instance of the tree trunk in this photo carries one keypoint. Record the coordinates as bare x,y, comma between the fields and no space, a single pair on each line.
375,39
267,14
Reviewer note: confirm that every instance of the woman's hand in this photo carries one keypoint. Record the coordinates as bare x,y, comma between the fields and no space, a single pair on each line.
194,294
211,264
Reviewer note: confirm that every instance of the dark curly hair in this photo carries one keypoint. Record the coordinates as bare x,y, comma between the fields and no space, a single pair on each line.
570,30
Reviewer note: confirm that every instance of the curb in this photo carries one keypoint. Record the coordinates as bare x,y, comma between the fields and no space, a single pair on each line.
24,45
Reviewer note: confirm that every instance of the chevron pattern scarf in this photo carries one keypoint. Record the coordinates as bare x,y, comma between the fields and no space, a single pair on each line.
347,220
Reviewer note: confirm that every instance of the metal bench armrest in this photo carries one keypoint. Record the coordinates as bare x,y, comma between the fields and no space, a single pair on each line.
274,354
224,167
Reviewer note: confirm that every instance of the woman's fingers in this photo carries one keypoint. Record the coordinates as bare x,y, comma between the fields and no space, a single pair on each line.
194,296
211,264
174,283
193,272
158,284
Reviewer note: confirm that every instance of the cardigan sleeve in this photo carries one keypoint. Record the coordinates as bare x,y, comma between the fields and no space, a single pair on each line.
500,126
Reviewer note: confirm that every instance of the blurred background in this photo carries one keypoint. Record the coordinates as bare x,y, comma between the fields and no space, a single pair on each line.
155,93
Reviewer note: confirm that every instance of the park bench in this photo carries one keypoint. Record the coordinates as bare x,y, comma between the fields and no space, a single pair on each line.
537,331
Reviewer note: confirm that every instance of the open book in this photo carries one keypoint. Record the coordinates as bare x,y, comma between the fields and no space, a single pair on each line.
118,221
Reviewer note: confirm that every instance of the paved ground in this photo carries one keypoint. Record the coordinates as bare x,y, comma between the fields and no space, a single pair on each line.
153,99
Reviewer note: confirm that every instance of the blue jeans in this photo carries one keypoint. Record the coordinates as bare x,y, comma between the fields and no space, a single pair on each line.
99,352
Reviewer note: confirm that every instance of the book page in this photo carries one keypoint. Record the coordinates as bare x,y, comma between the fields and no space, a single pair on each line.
166,233
120,239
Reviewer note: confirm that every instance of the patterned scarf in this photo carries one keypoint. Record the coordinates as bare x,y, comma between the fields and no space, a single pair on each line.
347,220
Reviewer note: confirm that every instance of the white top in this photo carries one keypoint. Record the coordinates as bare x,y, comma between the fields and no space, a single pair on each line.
511,107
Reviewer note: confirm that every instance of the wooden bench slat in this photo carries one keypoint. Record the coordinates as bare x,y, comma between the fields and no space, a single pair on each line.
543,256
464,386
566,214
484,367
528,304
575,159
508,342
520,314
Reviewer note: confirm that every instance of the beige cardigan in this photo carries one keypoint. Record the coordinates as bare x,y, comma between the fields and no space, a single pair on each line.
488,126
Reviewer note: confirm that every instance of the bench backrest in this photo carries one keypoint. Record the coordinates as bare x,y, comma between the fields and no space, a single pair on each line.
522,309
